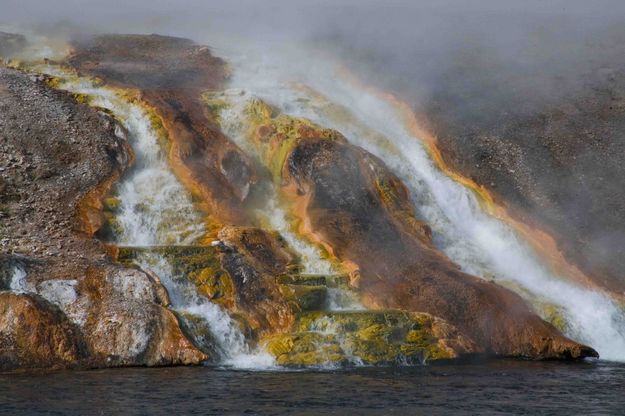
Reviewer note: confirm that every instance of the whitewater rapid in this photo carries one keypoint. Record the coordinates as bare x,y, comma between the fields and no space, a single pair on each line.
480,243
156,210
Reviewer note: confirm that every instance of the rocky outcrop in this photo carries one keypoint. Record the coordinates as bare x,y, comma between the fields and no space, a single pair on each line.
287,313
57,160
348,200
35,333
95,298
124,322
240,272
171,73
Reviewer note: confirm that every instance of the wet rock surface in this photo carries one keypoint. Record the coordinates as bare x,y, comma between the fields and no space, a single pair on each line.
254,259
287,314
34,333
413,275
351,202
240,274
367,337
57,160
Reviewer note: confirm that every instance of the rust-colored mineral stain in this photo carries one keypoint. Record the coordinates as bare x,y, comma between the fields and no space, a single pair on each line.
204,201
299,209
89,217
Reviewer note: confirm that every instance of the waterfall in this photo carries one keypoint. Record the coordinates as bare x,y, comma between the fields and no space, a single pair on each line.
273,213
479,243
232,121
156,210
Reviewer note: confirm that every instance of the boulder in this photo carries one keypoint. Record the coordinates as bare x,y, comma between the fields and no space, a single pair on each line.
125,324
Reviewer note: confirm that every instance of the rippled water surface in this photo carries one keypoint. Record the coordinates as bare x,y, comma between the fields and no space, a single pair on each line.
488,388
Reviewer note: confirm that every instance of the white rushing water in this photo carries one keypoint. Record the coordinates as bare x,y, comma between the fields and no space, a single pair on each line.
156,210
226,336
341,299
479,243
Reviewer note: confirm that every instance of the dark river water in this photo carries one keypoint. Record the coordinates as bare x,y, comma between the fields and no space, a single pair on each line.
501,387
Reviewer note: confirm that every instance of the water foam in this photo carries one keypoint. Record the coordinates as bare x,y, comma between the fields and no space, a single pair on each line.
340,299
227,338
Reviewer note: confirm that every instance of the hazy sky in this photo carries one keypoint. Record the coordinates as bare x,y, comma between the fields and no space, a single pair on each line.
524,44
307,14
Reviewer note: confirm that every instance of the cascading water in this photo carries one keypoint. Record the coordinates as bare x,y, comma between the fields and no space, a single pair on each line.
276,217
232,121
479,243
156,210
